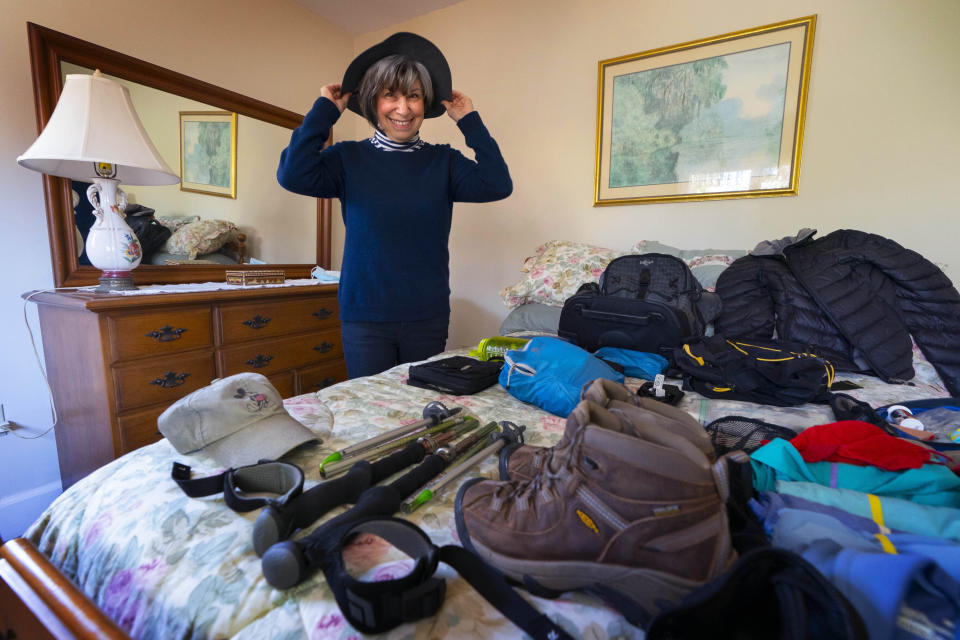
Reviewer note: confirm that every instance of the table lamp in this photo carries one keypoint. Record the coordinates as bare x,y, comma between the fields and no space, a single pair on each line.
95,135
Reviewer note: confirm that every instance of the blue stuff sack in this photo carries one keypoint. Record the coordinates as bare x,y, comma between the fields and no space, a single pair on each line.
549,373
636,364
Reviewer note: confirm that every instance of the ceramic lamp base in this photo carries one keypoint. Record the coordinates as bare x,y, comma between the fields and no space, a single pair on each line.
115,281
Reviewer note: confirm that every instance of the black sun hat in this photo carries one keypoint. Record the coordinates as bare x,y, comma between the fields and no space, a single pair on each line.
412,46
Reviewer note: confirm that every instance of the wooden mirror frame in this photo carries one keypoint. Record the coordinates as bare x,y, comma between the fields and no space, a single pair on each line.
49,48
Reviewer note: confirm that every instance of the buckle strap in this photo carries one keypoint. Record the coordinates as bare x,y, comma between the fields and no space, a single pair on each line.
385,608
196,487
493,586
374,607
264,477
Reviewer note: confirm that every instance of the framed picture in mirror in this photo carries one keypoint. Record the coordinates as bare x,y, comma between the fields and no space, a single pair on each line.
208,152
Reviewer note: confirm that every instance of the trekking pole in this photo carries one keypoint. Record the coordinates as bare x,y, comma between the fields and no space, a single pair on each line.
338,467
288,563
433,413
278,522
511,434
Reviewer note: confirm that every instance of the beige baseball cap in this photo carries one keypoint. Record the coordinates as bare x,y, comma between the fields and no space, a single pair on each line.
237,420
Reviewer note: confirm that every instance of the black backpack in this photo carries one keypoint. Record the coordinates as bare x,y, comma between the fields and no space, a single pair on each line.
767,593
646,302
151,234
781,374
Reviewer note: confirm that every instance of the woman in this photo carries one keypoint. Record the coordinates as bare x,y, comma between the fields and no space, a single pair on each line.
396,194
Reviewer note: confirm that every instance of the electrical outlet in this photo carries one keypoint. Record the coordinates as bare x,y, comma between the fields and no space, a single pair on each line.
5,425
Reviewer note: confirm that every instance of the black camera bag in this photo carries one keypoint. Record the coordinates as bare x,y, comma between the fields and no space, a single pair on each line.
151,234
646,302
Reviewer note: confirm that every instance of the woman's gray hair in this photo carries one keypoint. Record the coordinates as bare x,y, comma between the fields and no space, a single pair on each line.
396,73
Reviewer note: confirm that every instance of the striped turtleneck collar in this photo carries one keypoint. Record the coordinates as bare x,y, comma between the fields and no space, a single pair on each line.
381,141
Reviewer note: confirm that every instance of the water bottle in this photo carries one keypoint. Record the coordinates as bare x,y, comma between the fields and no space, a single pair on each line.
495,348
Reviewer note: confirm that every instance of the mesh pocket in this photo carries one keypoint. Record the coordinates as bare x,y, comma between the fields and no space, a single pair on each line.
733,433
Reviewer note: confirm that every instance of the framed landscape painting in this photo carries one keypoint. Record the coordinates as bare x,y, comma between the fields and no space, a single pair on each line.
208,152
720,117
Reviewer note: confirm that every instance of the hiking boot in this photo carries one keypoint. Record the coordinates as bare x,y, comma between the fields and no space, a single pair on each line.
523,462
625,509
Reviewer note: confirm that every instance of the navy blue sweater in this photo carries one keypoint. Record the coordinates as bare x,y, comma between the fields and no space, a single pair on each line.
397,209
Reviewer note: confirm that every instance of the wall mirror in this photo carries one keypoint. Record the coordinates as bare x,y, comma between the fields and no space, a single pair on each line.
281,229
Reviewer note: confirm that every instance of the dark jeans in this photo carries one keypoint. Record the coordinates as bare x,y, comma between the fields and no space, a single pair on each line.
372,347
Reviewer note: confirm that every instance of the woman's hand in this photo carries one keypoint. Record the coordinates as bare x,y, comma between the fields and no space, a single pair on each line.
332,93
460,106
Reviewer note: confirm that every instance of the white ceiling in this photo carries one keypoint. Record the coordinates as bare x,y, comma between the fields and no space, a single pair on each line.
361,16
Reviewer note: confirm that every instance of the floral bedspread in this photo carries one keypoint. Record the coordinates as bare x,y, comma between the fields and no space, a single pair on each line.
163,565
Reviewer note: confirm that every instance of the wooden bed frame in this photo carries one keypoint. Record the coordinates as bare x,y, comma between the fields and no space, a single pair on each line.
37,601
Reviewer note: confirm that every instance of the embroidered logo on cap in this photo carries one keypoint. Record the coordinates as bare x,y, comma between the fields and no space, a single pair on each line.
255,401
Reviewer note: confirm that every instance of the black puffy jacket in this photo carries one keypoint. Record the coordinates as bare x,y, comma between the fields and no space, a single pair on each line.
853,292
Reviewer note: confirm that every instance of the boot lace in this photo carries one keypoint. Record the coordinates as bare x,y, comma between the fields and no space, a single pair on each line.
543,485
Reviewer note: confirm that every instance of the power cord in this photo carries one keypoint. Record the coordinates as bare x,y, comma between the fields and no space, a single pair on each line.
53,407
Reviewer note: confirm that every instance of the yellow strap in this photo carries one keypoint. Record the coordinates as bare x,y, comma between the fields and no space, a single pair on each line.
735,346
885,543
699,360
876,512
754,346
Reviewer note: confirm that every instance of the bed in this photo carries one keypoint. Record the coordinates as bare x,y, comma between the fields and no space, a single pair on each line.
199,241
159,564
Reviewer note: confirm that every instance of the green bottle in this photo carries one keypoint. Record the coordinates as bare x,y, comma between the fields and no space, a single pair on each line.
495,348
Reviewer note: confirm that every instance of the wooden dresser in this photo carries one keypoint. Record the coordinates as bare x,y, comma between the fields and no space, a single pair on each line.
116,362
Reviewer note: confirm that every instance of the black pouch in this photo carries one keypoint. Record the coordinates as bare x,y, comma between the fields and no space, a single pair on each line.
456,375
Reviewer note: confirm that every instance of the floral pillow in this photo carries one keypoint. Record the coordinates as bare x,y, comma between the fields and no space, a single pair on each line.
556,271
705,264
201,237
175,222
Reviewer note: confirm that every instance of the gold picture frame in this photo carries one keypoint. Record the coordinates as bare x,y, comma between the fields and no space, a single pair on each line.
716,118
208,152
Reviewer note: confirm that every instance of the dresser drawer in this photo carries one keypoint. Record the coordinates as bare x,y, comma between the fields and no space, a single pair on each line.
252,321
314,378
162,379
157,333
280,354
283,383
138,429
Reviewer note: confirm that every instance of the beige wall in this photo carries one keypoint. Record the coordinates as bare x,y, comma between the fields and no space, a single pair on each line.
272,51
879,154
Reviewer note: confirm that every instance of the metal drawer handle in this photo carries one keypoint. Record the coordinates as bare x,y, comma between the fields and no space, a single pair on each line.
259,361
326,382
170,380
165,333
324,346
257,322
323,313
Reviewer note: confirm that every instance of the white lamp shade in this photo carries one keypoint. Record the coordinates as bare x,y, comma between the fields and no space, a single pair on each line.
95,121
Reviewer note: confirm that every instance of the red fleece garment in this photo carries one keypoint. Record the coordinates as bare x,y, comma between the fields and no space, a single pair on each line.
863,444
